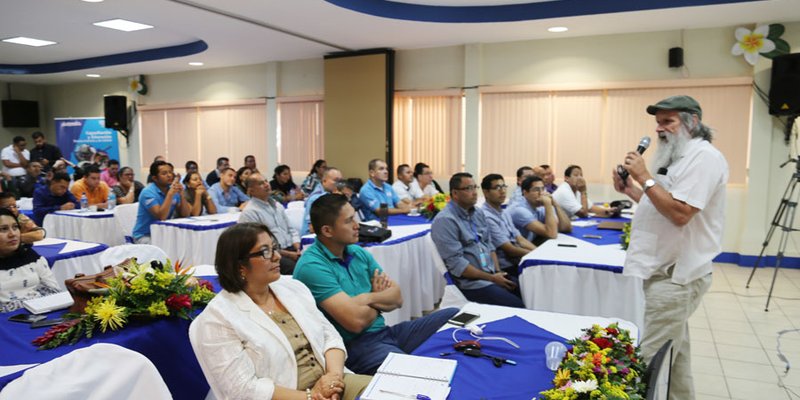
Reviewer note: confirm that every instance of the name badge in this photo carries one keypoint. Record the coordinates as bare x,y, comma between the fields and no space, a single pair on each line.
484,260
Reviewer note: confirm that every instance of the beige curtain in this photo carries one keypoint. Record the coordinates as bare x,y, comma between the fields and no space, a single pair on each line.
205,133
300,134
429,129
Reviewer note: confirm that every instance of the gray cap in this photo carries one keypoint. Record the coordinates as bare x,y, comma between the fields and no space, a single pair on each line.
677,103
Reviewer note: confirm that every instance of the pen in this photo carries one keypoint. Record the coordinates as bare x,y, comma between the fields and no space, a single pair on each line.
408,396
566,245
593,236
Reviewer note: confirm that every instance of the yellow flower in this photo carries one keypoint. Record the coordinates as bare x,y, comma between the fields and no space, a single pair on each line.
163,278
109,314
92,304
562,377
158,308
141,287
201,295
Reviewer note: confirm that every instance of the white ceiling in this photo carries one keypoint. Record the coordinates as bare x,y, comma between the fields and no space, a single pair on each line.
241,32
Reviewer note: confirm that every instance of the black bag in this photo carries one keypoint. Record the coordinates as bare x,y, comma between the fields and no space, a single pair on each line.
372,234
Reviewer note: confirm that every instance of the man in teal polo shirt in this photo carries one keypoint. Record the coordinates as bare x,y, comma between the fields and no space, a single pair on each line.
352,290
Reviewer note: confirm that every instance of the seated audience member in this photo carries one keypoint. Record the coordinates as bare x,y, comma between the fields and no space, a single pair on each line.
350,190
128,189
96,190
241,176
191,166
26,184
549,179
283,187
197,196
537,216
54,196
509,245
250,162
312,181
352,290
159,201
43,152
262,209
262,336
401,185
226,195
461,235
24,274
29,231
214,176
111,175
571,195
522,173
332,182
423,187
7,184
156,158
376,192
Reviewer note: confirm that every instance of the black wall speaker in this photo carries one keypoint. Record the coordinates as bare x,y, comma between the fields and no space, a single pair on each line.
676,57
784,91
116,112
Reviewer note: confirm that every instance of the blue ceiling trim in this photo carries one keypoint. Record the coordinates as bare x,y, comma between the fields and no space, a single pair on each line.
106,61
513,12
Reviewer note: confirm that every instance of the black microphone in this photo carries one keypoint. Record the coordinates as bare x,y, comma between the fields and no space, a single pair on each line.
643,145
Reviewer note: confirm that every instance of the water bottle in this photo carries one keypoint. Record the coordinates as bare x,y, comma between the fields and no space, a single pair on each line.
383,215
112,201
84,202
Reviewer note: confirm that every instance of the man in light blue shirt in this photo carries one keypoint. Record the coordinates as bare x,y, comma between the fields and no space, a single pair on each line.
522,173
226,194
332,182
376,192
462,237
162,199
509,245
538,217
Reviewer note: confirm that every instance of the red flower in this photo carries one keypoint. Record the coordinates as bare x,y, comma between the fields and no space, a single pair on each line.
205,284
431,207
179,301
52,332
612,331
629,349
603,343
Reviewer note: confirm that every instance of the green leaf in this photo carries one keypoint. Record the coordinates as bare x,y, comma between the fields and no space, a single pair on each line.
775,31
781,48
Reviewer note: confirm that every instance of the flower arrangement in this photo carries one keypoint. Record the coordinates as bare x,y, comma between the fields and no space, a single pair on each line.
602,364
625,239
432,206
149,290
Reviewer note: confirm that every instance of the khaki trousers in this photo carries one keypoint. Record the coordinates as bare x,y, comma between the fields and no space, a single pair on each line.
667,311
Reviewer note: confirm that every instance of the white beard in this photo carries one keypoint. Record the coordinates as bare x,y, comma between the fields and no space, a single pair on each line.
670,148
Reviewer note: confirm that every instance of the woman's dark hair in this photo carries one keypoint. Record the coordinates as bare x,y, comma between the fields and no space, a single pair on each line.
419,168
316,166
189,177
6,212
124,169
233,247
239,175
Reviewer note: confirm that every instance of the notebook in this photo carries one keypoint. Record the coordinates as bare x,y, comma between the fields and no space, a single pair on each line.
403,375
48,303
614,226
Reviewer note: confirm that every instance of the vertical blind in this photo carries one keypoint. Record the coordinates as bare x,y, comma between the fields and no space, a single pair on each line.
300,133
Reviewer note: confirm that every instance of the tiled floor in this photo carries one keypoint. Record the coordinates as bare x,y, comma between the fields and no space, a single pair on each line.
734,341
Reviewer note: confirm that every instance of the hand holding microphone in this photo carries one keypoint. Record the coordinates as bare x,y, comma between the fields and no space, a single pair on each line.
643,145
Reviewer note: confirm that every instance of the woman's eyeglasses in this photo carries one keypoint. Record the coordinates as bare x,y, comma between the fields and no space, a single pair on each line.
267,253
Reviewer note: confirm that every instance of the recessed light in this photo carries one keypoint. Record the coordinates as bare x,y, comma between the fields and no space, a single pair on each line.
196,64
557,29
92,75
122,25
92,1
29,41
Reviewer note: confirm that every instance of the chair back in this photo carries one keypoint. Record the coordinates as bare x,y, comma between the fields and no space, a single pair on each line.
295,215
125,217
452,295
296,204
658,373
142,252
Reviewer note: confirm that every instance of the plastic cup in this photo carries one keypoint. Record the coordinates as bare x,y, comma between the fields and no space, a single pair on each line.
93,208
554,353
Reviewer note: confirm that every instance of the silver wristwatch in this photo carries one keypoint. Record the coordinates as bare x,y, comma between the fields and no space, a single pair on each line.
648,184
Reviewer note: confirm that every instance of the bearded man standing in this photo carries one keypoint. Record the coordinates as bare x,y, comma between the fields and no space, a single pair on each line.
677,229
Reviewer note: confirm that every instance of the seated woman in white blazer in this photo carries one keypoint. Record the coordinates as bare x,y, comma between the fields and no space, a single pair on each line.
262,336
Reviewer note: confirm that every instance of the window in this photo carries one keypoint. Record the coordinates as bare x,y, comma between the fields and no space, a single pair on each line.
300,133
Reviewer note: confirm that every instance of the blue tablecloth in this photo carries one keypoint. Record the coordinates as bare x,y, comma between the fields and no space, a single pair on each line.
479,378
165,342
51,252
608,236
402,219
27,213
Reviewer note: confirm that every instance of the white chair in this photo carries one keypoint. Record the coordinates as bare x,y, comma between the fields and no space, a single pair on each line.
452,295
125,217
101,371
296,204
142,252
295,217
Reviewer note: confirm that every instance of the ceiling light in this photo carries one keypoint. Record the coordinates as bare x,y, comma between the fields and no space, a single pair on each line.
29,41
122,25
196,64
557,29
92,75
93,1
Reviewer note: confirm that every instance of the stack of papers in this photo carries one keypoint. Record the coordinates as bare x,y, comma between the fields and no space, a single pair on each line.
403,376
48,303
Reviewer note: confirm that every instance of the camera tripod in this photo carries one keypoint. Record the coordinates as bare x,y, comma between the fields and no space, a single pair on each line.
784,219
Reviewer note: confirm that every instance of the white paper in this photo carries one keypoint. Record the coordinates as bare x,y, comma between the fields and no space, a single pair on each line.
48,303
438,369
387,387
584,224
